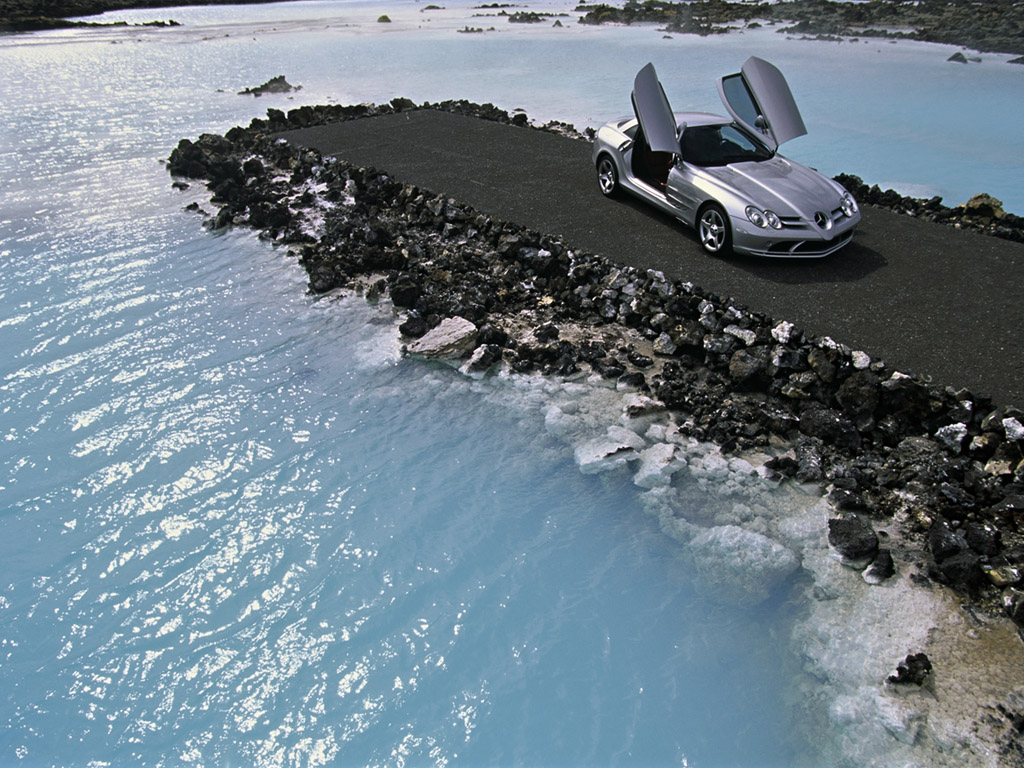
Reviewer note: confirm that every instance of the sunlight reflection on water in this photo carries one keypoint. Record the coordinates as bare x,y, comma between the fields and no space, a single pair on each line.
237,527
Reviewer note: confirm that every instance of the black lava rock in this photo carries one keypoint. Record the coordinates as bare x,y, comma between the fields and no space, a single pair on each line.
414,327
913,670
983,538
881,568
943,541
962,570
853,539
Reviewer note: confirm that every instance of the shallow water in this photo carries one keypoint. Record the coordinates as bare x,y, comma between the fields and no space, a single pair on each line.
236,527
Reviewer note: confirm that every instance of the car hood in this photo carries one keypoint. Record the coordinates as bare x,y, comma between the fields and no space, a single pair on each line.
779,184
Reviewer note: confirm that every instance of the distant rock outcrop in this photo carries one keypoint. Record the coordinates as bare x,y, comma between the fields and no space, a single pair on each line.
273,85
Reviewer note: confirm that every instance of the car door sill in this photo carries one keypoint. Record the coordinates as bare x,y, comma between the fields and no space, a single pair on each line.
653,195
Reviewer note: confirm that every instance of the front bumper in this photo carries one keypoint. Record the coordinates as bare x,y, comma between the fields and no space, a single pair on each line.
808,242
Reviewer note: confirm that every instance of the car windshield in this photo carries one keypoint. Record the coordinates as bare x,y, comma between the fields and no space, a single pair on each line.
721,145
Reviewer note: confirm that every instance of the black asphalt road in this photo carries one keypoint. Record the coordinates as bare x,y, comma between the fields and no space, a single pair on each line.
923,297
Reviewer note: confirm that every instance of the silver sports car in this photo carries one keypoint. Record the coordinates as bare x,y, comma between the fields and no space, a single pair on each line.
724,177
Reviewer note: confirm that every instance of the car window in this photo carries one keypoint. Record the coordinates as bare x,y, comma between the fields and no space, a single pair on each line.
721,145
740,99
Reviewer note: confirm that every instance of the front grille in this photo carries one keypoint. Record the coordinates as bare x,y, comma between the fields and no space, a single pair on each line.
808,247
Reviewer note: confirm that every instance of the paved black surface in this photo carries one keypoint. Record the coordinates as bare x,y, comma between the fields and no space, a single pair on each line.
923,297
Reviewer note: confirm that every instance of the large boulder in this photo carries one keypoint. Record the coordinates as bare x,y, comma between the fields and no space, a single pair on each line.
853,539
984,207
452,339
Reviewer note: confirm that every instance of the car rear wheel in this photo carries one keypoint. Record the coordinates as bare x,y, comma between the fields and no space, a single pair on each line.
607,176
713,230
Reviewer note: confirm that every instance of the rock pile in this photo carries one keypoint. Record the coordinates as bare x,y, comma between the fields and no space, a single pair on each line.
946,464
982,213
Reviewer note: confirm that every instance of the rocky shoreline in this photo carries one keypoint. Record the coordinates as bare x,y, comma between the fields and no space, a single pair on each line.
994,27
941,465
26,16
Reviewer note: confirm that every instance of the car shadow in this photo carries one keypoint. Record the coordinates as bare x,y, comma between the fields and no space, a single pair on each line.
848,265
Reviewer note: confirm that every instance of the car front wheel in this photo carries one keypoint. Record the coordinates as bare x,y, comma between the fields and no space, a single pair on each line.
607,176
713,230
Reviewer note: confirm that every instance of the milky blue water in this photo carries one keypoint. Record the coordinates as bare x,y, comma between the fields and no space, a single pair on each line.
237,528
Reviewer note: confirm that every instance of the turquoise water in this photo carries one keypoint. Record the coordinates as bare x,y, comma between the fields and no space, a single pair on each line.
238,528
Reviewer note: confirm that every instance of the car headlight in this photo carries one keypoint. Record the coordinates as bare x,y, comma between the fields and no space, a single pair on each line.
762,219
847,204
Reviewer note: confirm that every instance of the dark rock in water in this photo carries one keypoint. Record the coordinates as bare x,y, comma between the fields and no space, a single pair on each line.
845,499
273,85
943,541
490,335
958,57
1018,60
414,327
784,465
608,367
253,167
808,458
853,539
881,568
913,670
405,291
633,379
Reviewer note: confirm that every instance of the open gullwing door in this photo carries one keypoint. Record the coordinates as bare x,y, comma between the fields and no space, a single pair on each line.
759,99
653,111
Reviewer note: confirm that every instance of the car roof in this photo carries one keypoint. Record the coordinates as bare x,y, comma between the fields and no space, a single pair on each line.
692,119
